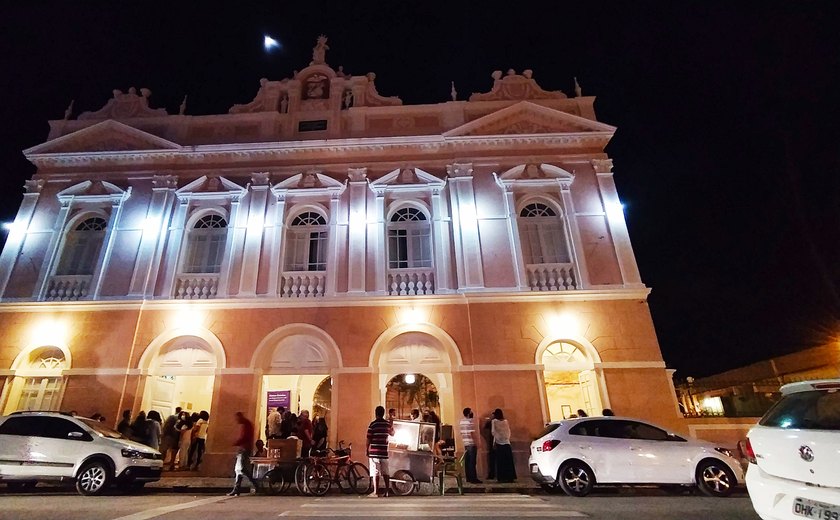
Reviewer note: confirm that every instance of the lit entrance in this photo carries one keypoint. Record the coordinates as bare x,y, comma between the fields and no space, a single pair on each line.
570,381
182,374
311,392
406,392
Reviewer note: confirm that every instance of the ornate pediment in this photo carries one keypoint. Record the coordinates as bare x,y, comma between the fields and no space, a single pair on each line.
515,86
407,179
126,106
92,191
209,186
535,176
107,136
528,118
310,182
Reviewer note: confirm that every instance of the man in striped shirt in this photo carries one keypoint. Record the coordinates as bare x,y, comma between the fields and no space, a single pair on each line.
469,438
377,450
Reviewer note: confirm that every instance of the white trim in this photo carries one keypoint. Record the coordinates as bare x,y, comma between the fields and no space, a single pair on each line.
445,340
152,351
354,370
476,296
630,364
93,372
496,368
273,339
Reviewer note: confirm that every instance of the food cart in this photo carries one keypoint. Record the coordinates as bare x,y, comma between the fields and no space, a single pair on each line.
411,449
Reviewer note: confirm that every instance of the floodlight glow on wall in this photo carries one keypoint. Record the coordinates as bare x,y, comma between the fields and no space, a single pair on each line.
48,333
563,325
411,316
188,317
358,221
151,226
409,379
615,210
12,226
467,215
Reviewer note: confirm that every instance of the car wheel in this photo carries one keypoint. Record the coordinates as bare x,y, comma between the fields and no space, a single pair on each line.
552,489
94,478
576,479
715,479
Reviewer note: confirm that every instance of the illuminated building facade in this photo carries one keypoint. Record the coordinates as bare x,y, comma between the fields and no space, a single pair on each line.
324,241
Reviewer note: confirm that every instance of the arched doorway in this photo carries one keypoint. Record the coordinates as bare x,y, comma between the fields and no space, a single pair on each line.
180,372
297,362
570,380
38,383
406,392
418,349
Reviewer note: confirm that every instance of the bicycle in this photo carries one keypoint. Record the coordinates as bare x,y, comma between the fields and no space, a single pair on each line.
319,473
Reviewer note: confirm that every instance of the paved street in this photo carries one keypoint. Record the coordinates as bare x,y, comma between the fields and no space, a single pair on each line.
609,504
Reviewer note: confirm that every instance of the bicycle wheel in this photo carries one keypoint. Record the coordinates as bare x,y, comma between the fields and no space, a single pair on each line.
318,479
273,481
402,483
300,477
359,478
343,479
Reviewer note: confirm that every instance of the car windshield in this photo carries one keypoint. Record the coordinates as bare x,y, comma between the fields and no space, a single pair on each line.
812,410
101,429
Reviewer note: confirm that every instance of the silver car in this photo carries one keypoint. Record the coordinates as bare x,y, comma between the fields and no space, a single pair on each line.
51,446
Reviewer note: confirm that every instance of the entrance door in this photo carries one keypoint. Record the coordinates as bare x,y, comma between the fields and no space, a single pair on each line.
163,395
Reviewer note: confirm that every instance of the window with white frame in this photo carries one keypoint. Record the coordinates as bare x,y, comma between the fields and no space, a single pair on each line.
409,239
543,235
206,245
43,392
81,247
306,243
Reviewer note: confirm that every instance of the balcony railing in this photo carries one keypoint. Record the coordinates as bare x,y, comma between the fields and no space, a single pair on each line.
551,277
411,282
68,287
196,286
302,284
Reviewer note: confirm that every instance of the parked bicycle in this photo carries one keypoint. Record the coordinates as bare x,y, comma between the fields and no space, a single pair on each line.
316,475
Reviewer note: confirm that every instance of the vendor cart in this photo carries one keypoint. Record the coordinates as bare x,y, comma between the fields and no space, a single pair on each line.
411,457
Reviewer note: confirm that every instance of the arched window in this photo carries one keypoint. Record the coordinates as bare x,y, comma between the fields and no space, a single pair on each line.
306,243
543,235
81,247
206,245
409,239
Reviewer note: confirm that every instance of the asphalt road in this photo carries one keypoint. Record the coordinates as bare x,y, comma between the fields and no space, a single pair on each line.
621,504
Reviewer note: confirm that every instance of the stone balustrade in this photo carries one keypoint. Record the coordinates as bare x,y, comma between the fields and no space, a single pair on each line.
551,277
196,286
411,282
302,284
67,287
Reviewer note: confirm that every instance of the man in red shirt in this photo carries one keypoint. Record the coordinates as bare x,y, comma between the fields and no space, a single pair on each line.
243,444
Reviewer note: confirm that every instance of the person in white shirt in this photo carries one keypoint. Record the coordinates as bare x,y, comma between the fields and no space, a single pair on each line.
415,415
505,470
470,440
272,427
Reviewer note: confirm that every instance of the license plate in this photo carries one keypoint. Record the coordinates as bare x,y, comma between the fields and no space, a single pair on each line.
817,510
535,468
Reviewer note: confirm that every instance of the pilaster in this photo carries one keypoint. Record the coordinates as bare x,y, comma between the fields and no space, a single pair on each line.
357,239
254,232
465,227
18,232
153,236
617,224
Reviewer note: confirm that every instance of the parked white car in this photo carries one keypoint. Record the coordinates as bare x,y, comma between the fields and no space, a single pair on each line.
42,446
574,455
794,454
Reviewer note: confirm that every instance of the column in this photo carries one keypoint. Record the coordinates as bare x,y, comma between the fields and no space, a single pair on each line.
114,225
176,242
617,224
17,235
465,227
515,241
332,247
575,242
254,235
52,248
442,243
234,244
153,236
275,263
357,239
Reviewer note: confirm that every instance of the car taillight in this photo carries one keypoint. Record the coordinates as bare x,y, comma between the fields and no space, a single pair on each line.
749,453
550,445
826,386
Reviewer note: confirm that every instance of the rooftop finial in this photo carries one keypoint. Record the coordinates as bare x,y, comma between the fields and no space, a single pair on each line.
578,90
69,111
183,107
453,92
319,51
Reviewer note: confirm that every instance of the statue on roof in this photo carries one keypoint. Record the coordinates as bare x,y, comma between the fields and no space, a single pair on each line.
319,51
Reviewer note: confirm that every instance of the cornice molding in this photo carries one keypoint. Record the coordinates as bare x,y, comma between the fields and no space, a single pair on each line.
255,153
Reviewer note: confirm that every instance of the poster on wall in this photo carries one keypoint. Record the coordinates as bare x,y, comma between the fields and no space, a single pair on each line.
277,398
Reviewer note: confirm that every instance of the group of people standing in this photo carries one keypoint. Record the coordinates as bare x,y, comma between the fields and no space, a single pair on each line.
181,438
284,424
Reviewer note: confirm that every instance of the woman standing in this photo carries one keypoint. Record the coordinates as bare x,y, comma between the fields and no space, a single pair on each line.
153,421
505,471
184,427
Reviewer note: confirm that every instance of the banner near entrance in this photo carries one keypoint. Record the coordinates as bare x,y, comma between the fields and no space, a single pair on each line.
279,398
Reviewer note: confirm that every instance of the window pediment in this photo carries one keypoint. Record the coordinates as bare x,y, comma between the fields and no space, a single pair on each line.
308,183
407,180
93,192
210,187
535,176
529,118
106,136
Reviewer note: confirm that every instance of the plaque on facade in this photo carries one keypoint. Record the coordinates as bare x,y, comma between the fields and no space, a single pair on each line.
312,126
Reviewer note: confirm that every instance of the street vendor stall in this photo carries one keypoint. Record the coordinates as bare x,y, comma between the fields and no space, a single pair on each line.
411,450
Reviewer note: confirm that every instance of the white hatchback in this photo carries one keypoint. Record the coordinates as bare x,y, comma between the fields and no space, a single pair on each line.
576,454
42,446
794,454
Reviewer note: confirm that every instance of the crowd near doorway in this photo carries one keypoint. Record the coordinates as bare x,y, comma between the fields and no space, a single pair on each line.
295,393
407,392
570,381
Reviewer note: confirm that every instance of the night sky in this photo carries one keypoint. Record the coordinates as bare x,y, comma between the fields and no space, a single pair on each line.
726,154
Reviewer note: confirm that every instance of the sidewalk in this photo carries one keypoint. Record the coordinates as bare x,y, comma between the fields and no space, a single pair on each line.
190,482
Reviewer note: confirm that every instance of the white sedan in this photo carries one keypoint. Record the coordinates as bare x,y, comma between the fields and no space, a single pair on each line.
794,454
574,455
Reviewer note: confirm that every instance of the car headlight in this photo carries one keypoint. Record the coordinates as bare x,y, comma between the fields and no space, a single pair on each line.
131,453
725,451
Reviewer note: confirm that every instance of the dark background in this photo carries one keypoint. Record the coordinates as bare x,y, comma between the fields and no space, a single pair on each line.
726,155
